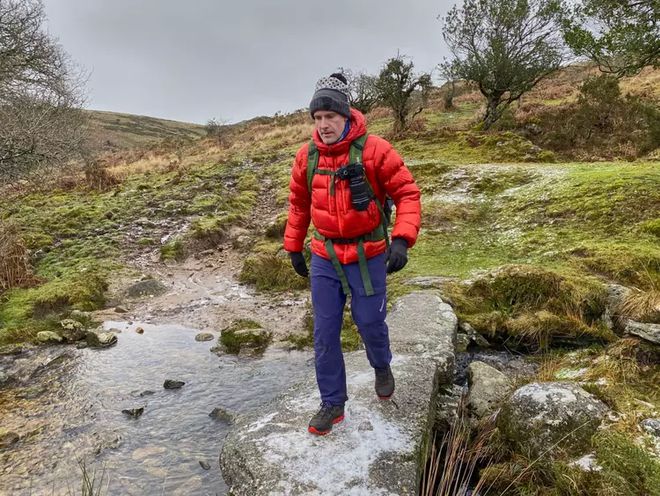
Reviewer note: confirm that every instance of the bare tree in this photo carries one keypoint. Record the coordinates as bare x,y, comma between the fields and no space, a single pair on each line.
505,46
405,92
363,94
41,121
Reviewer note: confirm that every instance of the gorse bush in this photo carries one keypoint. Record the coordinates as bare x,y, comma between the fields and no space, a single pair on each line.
601,119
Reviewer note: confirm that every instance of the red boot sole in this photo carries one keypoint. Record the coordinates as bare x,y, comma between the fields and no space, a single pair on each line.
313,430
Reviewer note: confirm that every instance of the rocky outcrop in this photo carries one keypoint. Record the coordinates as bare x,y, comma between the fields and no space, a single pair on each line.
376,450
539,416
648,332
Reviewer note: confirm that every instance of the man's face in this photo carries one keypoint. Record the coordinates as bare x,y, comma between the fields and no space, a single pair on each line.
330,125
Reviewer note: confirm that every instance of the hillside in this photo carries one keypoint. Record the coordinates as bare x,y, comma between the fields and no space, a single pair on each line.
111,131
527,237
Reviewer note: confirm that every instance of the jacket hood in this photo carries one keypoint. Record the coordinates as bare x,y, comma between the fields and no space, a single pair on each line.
358,128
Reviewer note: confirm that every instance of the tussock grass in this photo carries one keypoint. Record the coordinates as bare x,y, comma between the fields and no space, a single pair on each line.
15,267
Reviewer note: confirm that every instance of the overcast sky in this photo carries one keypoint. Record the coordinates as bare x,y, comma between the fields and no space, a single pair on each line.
194,60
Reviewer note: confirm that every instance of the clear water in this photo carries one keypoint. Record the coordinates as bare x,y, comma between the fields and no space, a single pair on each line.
67,408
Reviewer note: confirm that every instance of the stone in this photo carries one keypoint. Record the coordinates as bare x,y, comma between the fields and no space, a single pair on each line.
139,330
462,342
270,451
133,412
651,426
204,465
475,338
539,415
172,384
204,336
587,463
72,330
100,339
148,287
8,438
119,309
648,332
487,388
222,415
47,337
3,377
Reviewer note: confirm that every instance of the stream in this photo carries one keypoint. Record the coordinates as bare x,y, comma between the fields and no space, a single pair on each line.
66,405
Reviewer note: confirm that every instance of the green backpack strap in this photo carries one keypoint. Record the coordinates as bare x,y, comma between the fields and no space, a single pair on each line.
312,164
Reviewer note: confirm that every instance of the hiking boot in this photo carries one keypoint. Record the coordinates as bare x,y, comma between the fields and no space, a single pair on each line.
324,419
384,383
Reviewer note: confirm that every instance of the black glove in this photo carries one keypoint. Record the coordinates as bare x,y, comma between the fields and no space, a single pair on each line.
397,255
299,264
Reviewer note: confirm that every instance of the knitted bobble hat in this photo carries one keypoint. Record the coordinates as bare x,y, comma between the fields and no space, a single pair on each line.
331,94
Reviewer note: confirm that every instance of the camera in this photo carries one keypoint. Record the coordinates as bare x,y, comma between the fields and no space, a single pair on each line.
361,194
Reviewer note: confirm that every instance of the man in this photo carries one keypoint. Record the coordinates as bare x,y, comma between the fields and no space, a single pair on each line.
340,182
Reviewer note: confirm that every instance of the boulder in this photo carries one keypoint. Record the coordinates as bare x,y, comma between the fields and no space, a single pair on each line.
539,415
49,337
204,336
72,330
100,339
648,332
487,388
376,449
250,340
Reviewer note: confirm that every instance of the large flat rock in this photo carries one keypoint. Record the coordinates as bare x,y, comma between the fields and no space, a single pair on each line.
377,449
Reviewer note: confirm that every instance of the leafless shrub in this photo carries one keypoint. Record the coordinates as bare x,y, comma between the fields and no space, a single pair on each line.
41,124
15,268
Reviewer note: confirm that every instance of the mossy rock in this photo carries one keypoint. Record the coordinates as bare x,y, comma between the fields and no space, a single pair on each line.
245,336
148,287
550,418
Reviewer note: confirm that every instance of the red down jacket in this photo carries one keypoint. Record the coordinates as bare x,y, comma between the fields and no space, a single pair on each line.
333,215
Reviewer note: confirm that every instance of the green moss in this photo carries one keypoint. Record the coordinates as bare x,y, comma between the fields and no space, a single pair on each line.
530,306
173,250
651,226
244,334
24,312
269,272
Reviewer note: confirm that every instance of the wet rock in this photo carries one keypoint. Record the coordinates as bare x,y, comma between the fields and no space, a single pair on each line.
139,330
540,415
148,287
146,392
48,337
270,451
100,339
462,342
222,415
133,412
119,309
172,384
365,425
204,465
72,330
651,426
15,348
487,387
204,336
475,338
82,345
648,332
3,377
8,438
250,341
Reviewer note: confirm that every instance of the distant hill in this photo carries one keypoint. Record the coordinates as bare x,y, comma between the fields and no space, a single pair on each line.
111,131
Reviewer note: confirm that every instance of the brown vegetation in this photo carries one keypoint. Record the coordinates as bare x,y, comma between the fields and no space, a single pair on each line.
15,268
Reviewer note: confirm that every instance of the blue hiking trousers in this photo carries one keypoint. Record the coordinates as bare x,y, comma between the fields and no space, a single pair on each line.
368,313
